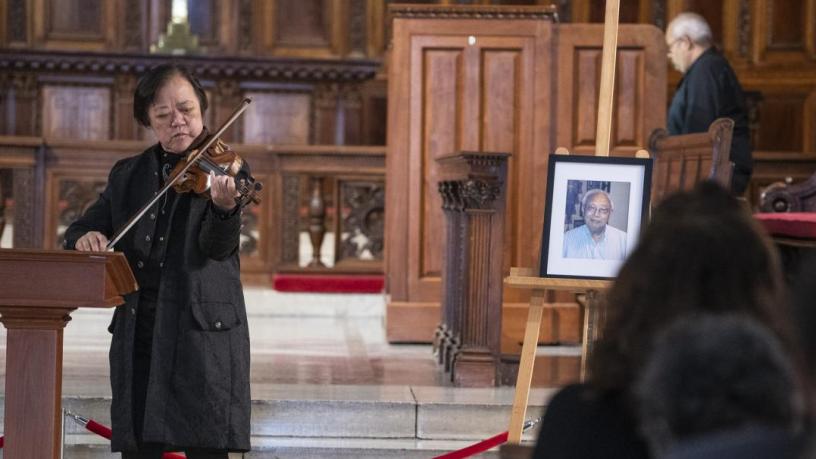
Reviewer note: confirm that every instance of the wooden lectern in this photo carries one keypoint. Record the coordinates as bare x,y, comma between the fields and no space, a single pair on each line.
38,291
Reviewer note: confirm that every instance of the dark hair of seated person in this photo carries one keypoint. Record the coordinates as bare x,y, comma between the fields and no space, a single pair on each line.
701,252
712,378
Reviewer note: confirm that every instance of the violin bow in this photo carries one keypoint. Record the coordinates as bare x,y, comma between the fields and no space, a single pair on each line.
190,161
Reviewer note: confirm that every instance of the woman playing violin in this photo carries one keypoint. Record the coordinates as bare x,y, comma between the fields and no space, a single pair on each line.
179,356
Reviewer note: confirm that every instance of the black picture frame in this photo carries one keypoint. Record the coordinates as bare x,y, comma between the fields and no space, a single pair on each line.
569,248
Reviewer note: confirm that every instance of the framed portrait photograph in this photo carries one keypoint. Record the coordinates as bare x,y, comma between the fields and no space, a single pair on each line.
594,212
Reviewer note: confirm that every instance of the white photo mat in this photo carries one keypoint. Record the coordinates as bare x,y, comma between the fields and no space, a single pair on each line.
635,172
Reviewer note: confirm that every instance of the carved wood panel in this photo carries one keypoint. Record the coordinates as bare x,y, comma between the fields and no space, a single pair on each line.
781,118
16,19
74,18
784,30
74,24
308,28
629,11
713,14
278,118
74,195
255,227
76,112
639,101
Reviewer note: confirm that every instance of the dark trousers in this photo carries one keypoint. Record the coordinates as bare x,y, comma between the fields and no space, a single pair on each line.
141,375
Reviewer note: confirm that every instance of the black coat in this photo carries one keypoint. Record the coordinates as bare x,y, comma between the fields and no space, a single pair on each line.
198,392
581,423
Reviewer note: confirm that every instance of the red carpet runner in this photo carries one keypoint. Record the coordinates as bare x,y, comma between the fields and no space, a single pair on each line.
327,283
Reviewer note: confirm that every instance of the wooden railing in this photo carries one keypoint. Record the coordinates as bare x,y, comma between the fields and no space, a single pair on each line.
333,194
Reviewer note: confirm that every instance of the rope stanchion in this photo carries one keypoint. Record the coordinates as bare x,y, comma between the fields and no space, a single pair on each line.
105,431
483,445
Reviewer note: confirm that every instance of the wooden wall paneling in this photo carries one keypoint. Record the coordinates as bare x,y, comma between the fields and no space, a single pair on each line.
75,174
375,28
359,209
279,116
810,29
640,96
258,221
303,28
809,123
16,25
229,14
22,166
338,115
735,23
76,112
781,114
227,95
75,24
326,101
374,112
125,127
629,11
133,25
22,108
71,192
783,30
5,103
350,116
357,29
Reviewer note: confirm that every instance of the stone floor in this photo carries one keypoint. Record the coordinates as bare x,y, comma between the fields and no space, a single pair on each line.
319,358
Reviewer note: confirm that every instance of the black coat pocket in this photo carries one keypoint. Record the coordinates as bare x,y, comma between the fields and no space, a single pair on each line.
214,315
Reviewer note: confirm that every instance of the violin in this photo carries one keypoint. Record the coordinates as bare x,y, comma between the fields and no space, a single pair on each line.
193,173
219,159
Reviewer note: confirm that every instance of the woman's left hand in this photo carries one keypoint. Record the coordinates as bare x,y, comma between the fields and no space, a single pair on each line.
223,192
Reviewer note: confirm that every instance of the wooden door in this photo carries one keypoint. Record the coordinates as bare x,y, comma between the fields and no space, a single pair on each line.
456,85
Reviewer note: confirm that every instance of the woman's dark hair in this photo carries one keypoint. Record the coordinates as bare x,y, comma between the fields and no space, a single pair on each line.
153,80
711,374
701,253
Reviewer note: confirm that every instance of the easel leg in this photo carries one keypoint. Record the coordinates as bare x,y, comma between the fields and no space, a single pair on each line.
525,372
591,331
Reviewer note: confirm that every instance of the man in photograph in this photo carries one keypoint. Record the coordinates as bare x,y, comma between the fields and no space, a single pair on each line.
595,238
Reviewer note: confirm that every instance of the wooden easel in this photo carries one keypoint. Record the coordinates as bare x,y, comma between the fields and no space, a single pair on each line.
543,289
543,293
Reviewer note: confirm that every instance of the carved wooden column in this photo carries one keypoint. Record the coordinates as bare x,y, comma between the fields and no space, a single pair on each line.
317,219
468,338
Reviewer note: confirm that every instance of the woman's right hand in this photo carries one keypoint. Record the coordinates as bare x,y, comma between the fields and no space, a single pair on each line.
92,241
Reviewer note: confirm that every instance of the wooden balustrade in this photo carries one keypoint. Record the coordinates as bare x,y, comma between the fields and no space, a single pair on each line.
320,189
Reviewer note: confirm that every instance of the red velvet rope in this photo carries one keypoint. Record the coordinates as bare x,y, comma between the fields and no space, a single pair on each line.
475,448
104,431
468,451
